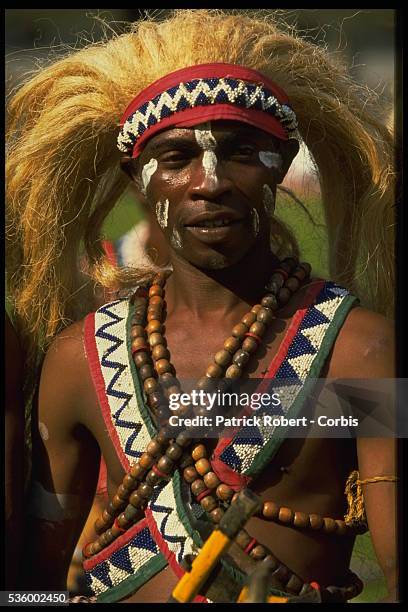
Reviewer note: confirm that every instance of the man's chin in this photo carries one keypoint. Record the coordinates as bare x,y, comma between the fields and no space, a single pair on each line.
216,261
210,259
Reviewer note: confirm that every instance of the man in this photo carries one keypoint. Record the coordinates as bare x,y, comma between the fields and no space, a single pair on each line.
206,146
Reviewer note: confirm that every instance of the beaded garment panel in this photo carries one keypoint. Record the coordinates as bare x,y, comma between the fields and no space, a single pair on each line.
135,557
292,372
115,572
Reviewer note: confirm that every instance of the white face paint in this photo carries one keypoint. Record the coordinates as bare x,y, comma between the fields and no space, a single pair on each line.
147,172
268,201
255,222
43,431
52,506
162,213
207,142
270,159
175,239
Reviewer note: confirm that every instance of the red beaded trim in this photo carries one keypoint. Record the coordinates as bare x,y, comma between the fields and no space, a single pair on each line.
145,347
254,336
283,272
159,473
203,494
250,546
115,522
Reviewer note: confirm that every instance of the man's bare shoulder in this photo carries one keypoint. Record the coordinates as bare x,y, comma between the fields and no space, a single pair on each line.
67,348
364,347
66,385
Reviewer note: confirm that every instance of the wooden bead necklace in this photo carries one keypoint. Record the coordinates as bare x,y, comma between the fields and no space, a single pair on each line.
204,483
166,451
149,347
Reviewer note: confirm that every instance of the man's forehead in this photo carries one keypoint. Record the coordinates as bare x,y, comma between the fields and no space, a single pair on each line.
222,129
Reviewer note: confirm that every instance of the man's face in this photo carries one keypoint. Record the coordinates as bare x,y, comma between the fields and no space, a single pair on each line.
212,189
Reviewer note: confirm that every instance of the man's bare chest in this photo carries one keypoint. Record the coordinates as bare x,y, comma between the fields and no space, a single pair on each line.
192,349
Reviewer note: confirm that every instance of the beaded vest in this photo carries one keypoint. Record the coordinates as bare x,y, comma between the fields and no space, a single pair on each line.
167,532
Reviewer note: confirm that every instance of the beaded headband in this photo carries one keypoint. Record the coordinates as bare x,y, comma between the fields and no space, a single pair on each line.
206,92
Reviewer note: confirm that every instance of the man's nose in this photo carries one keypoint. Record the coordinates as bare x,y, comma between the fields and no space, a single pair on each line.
209,179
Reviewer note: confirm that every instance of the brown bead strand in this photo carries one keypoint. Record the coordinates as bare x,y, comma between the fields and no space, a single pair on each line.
138,472
254,324
137,498
201,489
300,520
290,581
166,465
143,347
160,353
245,338
247,335
131,483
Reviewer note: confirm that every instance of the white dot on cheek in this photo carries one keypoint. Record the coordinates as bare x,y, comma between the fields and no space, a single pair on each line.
268,200
255,222
147,172
162,213
43,431
270,159
175,239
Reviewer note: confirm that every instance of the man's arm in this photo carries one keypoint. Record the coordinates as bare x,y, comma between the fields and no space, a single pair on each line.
65,464
377,457
365,350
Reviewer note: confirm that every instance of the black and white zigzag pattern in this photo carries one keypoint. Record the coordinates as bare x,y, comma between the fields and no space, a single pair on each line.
123,563
290,377
110,336
203,92
163,507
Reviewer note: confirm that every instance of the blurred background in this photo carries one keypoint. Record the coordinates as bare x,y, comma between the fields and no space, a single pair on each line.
364,38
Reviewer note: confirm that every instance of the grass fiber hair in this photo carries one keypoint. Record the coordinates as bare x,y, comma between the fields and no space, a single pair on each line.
63,175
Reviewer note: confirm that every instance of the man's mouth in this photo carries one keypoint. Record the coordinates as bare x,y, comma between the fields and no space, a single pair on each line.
215,231
213,224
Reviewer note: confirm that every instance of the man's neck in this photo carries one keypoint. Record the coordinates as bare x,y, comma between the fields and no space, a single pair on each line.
208,291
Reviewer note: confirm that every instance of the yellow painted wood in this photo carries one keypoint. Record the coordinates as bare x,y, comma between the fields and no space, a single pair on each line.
275,599
243,595
190,583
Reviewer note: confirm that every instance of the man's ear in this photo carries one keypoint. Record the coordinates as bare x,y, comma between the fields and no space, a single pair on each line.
288,149
131,168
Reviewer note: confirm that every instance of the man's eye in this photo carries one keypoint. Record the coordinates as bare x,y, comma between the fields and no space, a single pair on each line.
175,157
244,152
